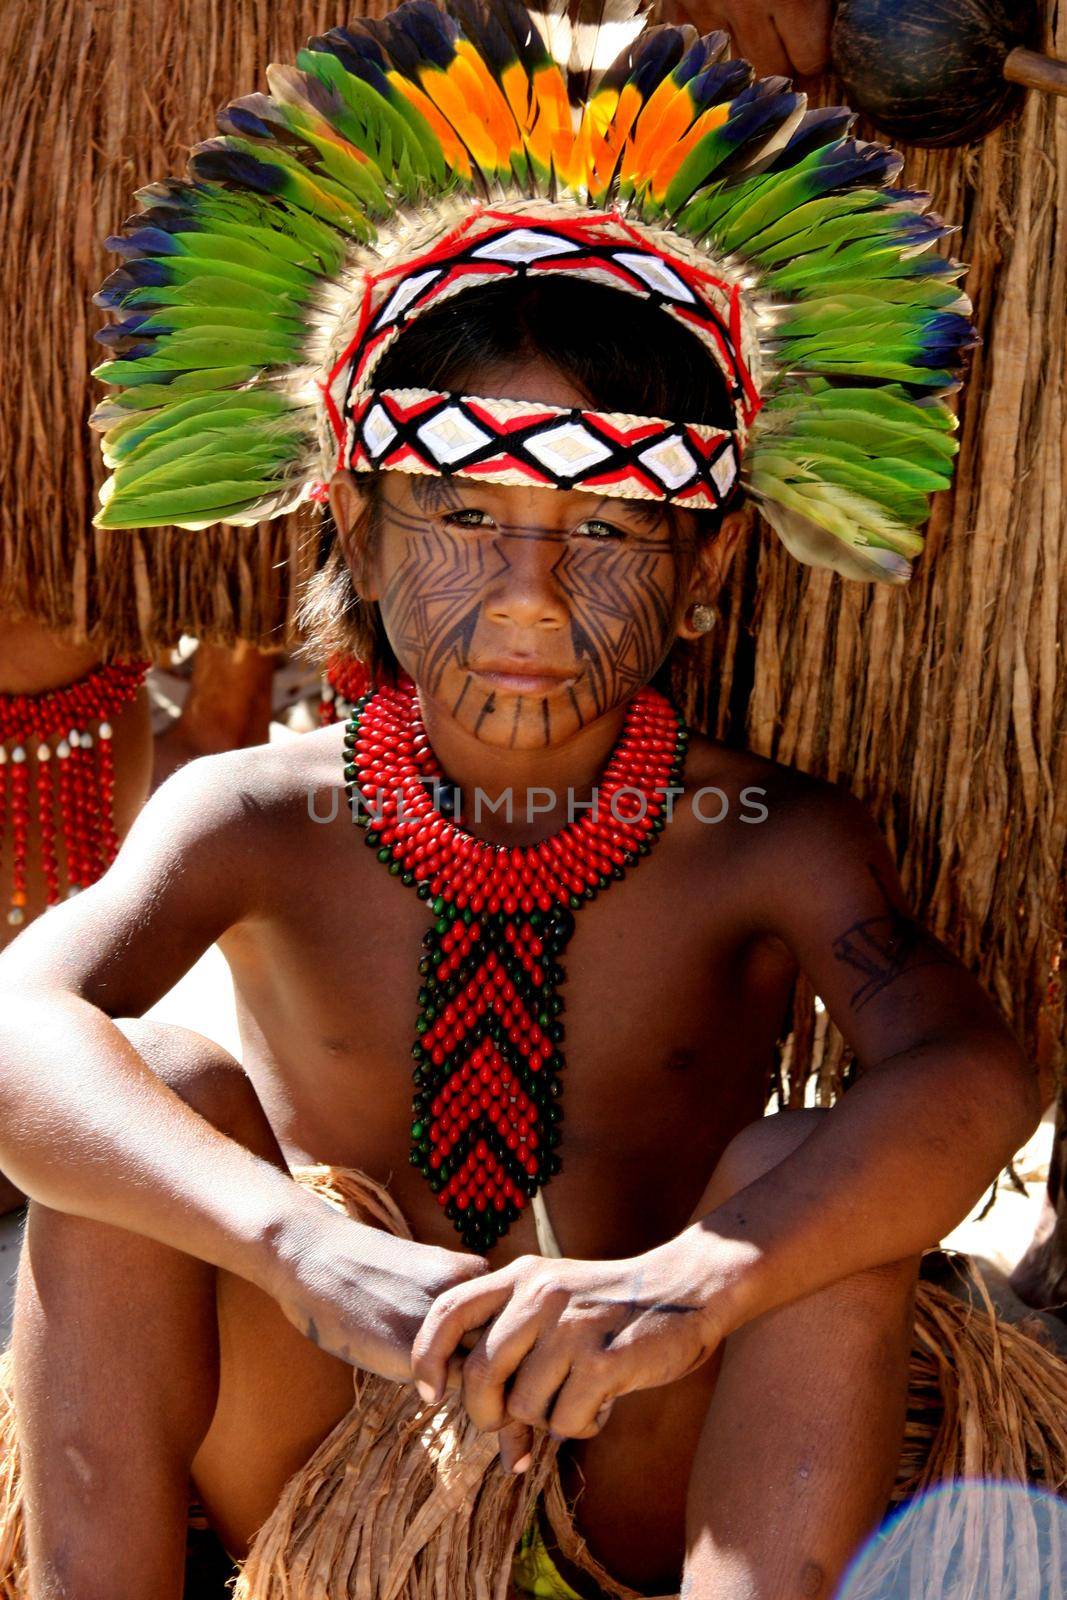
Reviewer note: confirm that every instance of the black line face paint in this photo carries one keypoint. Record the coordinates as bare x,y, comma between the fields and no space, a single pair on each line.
588,587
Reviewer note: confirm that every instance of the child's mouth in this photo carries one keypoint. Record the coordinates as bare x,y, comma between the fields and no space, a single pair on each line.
522,679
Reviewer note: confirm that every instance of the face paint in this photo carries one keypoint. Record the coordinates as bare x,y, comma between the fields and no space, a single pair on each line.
578,595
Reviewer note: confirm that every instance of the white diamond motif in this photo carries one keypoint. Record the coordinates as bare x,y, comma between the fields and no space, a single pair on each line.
724,471
408,290
670,461
567,450
378,431
524,245
657,275
450,435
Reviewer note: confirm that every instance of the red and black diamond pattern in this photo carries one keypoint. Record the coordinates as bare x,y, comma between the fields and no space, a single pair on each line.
514,441
487,1080
486,1115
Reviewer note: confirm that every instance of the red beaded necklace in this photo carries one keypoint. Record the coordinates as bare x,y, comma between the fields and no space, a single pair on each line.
77,772
486,1114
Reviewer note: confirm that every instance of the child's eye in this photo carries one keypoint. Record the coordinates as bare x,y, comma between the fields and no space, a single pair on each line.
467,517
596,528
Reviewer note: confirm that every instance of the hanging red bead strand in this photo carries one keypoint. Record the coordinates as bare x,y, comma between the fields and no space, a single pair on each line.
486,1112
344,681
55,755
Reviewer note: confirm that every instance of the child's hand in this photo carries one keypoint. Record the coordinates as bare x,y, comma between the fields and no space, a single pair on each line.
790,37
363,1295
564,1339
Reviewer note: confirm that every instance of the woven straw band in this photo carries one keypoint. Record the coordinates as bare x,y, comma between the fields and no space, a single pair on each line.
549,447
491,244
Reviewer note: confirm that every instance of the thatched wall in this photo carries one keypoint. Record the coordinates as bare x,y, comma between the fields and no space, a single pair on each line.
96,98
943,706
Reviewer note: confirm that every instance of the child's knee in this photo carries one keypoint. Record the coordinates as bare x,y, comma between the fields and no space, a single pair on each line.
206,1077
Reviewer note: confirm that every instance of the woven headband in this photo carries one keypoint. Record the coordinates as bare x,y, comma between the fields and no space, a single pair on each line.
550,447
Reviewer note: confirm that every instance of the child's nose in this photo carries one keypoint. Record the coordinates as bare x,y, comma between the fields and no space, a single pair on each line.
527,593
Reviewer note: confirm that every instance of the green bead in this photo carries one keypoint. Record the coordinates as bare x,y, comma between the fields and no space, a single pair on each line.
416,1130
438,906
437,957
372,838
575,899
384,853
408,879
543,1019
423,890
351,772
441,925
394,868
468,915
421,1026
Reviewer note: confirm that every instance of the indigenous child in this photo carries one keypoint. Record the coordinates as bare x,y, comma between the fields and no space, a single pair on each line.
578,924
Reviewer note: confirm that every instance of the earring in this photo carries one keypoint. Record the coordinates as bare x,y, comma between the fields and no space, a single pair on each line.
704,618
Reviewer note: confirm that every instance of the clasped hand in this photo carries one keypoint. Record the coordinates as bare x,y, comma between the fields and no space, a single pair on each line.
560,1340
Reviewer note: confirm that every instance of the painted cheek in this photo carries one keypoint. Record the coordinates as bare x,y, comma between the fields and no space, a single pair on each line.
622,605
432,596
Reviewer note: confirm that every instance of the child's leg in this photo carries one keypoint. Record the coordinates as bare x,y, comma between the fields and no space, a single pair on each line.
765,1467
117,1372
800,1444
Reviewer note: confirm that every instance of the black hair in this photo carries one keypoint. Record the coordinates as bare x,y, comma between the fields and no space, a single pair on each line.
620,352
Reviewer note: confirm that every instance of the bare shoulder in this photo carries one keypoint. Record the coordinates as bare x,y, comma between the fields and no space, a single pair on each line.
788,836
800,809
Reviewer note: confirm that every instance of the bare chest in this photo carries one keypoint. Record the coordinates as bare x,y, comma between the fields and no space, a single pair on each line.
665,1028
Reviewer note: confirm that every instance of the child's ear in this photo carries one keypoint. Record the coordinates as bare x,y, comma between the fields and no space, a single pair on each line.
714,559
350,505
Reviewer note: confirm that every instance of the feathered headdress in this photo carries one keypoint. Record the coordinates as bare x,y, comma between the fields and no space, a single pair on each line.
403,161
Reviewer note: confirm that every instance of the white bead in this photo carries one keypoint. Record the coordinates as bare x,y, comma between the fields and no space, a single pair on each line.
62,749
15,916
74,889
44,752
87,741
74,738
328,692
18,754
105,730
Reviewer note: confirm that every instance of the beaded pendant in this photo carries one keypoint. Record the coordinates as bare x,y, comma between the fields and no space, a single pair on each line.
486,1113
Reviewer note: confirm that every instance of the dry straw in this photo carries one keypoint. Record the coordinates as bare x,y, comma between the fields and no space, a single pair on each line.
96,100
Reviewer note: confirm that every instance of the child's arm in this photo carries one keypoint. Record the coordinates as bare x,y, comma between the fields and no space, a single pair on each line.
86,1127
944,1099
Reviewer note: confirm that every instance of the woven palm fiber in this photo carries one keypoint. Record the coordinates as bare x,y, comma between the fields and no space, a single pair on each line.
98,98
404,1501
